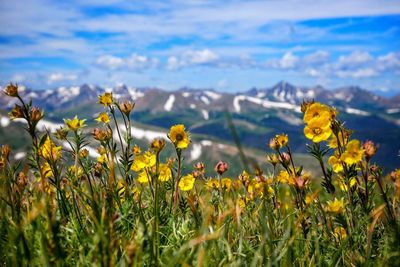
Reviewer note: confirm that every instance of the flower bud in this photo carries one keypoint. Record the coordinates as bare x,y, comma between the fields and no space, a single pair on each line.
305,105
273,159
2,162
17,112
5,151
199,166
35,114
101,135
158,144
273,144
11,90
221,167
126,107
84,153
369,149
285,158
136,150
102,150
61,133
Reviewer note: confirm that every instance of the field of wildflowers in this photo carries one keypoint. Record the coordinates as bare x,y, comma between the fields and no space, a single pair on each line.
134,206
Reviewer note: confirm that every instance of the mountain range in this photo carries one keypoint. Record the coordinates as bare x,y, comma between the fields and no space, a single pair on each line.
257,114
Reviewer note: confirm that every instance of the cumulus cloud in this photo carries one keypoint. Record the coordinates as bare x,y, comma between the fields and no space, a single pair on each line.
58,77
192,58
135,61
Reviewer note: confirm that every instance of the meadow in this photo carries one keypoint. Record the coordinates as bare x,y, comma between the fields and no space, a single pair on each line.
137,206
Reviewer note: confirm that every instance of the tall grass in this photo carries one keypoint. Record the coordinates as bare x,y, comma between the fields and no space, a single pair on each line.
128,207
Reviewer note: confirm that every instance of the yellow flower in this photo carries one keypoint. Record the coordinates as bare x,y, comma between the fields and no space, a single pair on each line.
342,139
316,110
335,206
353,153
212,183
103,117
144,177
179,137
226,184
165,173
46,170
74,124
343,185
146,160
102,158
282,139
49,150
335,163
340,233
284,178
187,182
106,99
318,129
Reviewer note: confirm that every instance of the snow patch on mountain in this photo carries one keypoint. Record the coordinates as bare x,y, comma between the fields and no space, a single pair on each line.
146,134
205,100
212,95
205,114
4,121
185,94
195,153
264,103
393,110
357,111
169,103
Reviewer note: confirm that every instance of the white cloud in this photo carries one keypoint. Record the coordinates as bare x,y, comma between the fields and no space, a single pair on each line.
192,58
356,58
358,73
135,61
58,76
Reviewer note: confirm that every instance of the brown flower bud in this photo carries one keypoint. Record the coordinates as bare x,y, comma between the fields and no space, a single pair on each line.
84,153
101,135
61,133
98,169
126,107
11,90
369,149
273,144
2,162
199,166
17,112
136,150
5,151
158,144
22,180
196,174
273,159
221,167
285,158
102,150
35,114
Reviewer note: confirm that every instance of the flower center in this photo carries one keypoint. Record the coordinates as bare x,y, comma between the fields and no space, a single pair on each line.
317,131
179,137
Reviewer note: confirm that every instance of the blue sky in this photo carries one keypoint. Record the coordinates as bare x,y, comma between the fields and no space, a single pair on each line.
226,45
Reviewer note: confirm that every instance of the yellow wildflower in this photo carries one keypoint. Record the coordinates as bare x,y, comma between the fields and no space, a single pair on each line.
144,177
103,117
226,184
335,163
282,139
49,150
340,233
165,173
333,142
212,183
316,110
46,170
187,182
106,99
284,178
335,206
146,160
74,124
179,137
102,159
318,129
353,153
343,185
